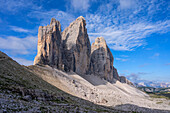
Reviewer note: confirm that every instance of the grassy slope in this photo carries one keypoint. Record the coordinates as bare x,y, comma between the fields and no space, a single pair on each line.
159,93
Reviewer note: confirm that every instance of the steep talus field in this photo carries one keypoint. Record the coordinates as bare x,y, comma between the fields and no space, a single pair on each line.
97,90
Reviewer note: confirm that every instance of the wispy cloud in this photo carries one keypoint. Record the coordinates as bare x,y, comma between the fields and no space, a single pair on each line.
121,59
15,6
16,45
126,29
156,54
44,17
80,5
167,64
144,65
134,77
126,4
19,29
23,61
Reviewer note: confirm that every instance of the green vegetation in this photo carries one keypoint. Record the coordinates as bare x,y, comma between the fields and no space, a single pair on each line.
159,102
156,92
159,95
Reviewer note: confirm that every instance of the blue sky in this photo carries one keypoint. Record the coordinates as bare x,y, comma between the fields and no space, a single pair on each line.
136,31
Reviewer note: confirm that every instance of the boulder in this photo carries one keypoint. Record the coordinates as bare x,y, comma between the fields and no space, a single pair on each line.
76,47
49,45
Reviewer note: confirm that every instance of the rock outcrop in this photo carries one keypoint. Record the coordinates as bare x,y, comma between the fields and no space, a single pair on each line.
101,59
76,47
49,45
125,80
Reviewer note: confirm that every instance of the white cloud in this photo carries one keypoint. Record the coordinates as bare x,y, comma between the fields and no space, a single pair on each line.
19,29
44,17
125,29
125,56
156,54
144,65
167,64
126,4
121,59
129,36
16,45
23,61
80,5
15,6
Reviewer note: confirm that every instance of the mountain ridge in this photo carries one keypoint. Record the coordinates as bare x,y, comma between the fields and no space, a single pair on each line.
70,50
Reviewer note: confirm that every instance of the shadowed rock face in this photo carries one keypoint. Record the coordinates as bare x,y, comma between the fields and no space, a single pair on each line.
115,74
101,59
49,45
76,47
125,80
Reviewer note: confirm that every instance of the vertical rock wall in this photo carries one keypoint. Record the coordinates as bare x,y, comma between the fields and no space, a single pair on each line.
101,59
76,47
49,44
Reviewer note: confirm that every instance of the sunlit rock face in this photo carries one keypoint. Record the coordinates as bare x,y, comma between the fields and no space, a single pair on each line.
101,59
76,47
49,45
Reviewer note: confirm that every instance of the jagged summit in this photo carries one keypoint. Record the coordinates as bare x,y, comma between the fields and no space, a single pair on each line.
100,39
71,50
80,18
76,47
49,43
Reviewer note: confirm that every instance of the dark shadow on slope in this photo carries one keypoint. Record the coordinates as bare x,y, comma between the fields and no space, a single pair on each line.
135,108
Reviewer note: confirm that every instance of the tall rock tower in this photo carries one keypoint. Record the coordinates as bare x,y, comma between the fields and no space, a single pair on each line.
49,45
101,59
71,50
76,47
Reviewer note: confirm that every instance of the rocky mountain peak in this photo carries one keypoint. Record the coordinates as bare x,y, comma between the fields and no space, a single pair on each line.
55,23
101,59
100,40
71,50
49,44
80,18
76,46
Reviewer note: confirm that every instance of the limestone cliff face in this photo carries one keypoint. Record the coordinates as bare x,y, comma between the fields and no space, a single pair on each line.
76,47
101,59
49,44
